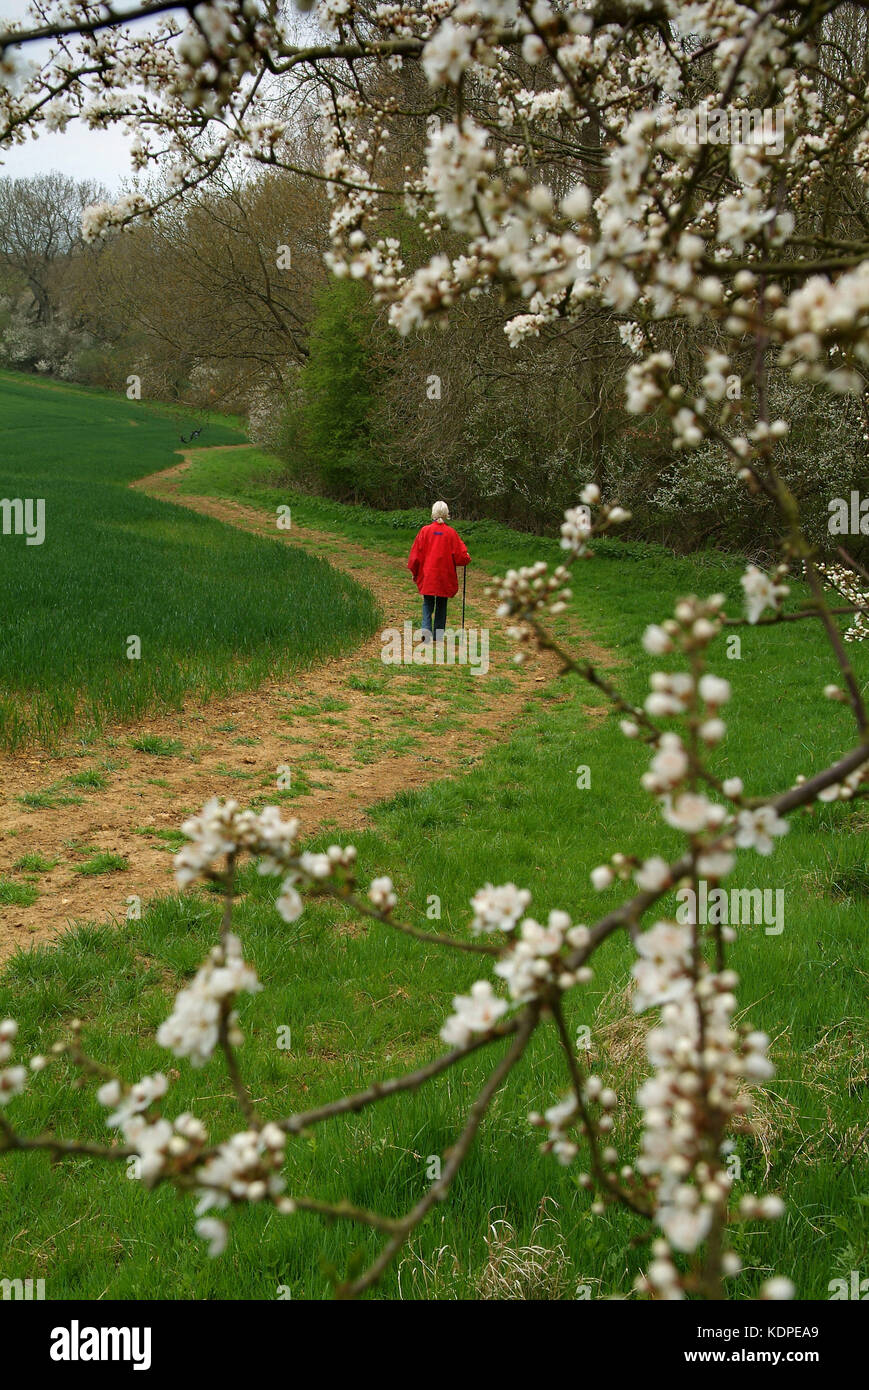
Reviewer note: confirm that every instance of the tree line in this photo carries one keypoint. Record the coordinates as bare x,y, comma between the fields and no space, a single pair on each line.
223,302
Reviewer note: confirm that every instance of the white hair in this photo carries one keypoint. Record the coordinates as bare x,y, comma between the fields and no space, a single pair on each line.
440,512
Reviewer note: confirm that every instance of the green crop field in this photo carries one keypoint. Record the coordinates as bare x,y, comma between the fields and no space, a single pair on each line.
362,1003
214,609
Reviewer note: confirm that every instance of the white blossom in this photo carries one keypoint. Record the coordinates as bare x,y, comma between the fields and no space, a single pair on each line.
498,909
193,1028
761,592
382,894
476,1012
758,829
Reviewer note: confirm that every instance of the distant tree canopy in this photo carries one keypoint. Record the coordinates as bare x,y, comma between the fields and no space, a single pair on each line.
334,443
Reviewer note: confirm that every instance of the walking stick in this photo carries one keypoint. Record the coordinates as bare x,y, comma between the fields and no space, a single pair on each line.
464,587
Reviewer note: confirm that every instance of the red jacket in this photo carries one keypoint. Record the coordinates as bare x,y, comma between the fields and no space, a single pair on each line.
435,553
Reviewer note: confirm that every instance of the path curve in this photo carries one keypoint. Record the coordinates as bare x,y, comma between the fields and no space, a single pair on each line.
346,751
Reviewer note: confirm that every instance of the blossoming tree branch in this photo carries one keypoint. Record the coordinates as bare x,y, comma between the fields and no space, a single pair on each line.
558,166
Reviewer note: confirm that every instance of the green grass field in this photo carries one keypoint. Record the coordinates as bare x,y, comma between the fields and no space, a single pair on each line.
116,564
366,1002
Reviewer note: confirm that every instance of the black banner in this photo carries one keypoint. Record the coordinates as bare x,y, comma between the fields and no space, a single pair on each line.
83,1340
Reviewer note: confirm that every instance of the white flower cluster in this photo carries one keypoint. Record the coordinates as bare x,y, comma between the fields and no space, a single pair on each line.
498,909
633,337
223,828
460,165
244,1169
848,788
702,1066
762,592
671,772
759,828
846,583
576,529
12,1079
688,431
669,766
526,592
134,1100
820,314
560,1117
741,216
332,14
431,288
100,218
532,964
692,813
694,624
714,381
664,951
382,894
529,589
216,53
157,1142
193,1028
578,525
309,868
476,1012
655,875
523,326
672,694
448,53
646,382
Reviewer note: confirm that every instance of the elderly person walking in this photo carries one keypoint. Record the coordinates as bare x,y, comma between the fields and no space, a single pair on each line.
434,557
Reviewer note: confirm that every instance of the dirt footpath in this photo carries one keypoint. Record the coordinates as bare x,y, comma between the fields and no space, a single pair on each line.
351,732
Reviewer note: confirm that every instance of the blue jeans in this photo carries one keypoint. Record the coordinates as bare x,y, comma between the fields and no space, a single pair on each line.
432,604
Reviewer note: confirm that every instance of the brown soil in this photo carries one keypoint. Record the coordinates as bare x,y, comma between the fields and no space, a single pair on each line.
342,760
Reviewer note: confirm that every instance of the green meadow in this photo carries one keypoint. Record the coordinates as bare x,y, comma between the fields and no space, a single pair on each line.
214,609
362,1001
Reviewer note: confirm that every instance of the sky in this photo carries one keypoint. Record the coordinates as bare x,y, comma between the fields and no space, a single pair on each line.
82,153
